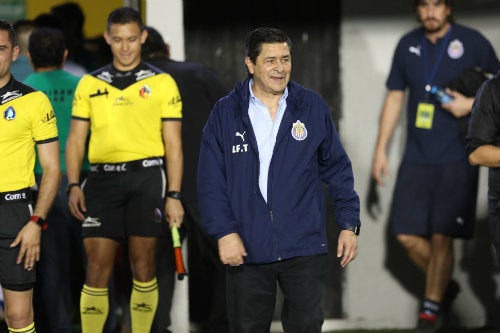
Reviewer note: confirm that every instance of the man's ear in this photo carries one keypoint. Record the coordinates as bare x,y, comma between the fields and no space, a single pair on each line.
15,53
28,54
106,37
249,65
144,35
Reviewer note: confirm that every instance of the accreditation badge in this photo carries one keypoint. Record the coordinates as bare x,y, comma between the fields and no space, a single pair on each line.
425,115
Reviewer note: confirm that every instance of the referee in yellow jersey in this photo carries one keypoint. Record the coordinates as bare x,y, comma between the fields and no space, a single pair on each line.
134,113
27,120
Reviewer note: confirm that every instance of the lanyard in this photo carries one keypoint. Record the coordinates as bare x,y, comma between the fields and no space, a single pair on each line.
429,77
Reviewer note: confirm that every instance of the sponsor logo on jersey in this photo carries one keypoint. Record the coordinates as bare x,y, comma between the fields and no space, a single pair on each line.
105,76
99,93
49,116
299,131
174,100
145,91
144,73
152,163
10,95
10,113
115,167
14,196
121,101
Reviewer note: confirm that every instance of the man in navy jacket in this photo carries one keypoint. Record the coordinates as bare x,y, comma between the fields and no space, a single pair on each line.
268,148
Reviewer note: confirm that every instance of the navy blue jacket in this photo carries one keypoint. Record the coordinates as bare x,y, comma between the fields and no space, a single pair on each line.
307,155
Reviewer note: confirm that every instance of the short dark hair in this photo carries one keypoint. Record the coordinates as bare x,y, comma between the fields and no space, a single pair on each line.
48,20
46,47
124,15
71,16
23,29
7,26
154,44
448,3
261,36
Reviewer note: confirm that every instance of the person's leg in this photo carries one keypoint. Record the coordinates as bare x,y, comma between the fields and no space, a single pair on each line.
251,297
94,304
165,274
418,249
435,259
410,211
438,282
207,275
440,267
16,280
302,283
53,294
144,296
18,309
494,225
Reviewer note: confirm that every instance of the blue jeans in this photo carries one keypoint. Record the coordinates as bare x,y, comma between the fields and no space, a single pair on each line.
252,289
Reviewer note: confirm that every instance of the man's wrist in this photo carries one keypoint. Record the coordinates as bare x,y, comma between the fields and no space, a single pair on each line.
38,220
71,185
355,229
174,195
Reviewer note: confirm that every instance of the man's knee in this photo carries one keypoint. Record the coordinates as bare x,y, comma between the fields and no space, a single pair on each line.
409,242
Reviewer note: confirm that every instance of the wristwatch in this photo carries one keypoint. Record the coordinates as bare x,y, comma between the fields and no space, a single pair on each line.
70,186
38,220
354,229
174,195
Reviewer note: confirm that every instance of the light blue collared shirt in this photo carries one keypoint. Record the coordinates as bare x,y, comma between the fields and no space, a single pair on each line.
265,130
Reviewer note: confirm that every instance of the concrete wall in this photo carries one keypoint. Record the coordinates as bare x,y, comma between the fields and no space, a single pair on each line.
375,297
377,291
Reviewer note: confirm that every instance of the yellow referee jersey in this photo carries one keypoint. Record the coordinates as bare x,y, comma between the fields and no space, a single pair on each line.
27,118
126,110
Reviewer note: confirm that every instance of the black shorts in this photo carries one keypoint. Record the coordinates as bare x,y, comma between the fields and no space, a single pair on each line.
432,199
13,217
122,204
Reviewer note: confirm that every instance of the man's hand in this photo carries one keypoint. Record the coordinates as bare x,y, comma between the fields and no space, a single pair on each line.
76,203
460,106
347,248
28,239
380,167
231,250
174,212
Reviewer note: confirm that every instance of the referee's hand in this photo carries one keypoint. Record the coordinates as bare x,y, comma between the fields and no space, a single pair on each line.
76,203
28,239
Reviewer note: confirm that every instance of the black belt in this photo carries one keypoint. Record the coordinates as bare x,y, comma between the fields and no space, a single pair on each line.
22,195
127,166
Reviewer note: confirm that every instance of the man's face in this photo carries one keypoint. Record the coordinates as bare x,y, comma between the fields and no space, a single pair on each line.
433,14
271,71
125,41
8,54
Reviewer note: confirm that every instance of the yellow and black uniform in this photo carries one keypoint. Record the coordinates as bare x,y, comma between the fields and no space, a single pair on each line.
125,189
125,111
127,182
27,119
